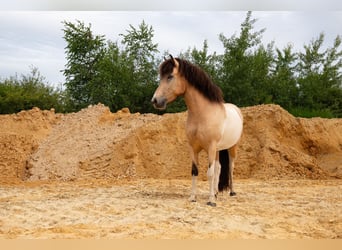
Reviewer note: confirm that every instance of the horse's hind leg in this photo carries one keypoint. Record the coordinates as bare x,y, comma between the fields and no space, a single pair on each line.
194,174
232,157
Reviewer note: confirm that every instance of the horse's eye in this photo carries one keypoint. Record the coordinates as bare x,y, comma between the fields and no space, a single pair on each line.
169,78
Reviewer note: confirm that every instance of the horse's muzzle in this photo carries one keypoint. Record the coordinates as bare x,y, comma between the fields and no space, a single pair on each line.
159,103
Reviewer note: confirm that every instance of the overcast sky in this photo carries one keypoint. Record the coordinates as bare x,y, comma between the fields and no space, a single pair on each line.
35,38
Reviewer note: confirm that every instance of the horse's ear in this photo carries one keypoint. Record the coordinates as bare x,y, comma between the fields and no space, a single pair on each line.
174,62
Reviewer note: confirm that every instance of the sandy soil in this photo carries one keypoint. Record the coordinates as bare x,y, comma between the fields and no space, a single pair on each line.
159,209
97,174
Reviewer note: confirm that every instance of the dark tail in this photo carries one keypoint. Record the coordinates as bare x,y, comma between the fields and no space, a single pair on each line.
224,175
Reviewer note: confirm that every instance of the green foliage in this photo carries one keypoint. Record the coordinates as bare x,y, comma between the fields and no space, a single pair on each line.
210,63
117,77
249,73
320,77
308,113
28,91
84,51
124,73
140,52
246,63
283,87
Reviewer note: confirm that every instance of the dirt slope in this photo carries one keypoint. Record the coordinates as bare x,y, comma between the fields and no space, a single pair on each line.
20,135
278,145
95,143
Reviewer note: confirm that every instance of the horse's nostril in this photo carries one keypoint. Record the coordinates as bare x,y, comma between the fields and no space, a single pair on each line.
159,103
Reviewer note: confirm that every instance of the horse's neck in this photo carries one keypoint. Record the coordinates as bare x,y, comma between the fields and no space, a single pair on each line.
198,106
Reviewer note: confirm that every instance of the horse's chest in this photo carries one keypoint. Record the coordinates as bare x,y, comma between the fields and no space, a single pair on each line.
202,134
193,132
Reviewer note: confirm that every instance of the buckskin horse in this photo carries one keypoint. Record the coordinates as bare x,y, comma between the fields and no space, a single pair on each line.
212,125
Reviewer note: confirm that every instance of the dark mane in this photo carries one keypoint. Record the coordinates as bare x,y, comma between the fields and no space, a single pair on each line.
195,77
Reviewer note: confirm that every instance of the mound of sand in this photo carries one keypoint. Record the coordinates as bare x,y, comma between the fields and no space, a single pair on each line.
20,135
82,144
277,145
95,143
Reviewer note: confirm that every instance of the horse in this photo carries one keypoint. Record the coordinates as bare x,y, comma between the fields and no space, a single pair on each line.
212,125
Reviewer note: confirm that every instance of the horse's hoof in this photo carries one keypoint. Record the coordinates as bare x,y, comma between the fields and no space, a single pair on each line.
192,198
232,194
212,204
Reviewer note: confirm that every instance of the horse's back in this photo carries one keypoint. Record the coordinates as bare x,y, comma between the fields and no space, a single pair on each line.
233,126
232,109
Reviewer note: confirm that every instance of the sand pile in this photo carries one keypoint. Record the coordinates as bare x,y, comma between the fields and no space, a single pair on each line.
20,135
95,143
277,145
81,145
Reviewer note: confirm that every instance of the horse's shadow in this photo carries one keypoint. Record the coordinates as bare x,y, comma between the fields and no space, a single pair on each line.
165,195
157,195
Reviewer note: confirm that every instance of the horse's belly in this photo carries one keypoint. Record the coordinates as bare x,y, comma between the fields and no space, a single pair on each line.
232,128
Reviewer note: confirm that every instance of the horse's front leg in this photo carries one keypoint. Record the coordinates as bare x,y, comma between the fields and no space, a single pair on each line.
194,174
211,176
217,173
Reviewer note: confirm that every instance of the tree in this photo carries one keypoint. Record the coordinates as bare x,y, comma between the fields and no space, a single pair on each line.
140,52
140,49
210,63
245,65
320,76
124,73
309,68
28,91
105,72
283,87
83,53
332,78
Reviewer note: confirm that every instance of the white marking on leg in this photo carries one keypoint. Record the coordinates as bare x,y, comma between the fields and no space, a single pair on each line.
193,189
217,176
211,179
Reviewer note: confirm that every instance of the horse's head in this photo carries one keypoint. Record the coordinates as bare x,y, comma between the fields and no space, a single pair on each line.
171,84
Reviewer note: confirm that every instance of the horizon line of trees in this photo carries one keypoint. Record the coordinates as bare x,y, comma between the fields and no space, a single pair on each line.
125,74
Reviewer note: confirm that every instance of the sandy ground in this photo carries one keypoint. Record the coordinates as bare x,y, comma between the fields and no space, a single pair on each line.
159,209
97,174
